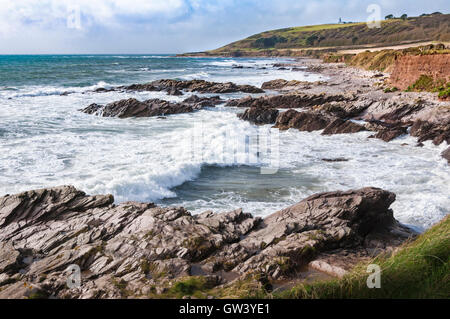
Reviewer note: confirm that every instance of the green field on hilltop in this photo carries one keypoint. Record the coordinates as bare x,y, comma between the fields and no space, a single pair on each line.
394,31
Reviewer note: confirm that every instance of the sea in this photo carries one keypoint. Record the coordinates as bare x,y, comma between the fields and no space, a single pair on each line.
206,160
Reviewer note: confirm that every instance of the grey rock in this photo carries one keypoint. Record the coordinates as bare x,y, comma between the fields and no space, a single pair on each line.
154,107
260,116
121,249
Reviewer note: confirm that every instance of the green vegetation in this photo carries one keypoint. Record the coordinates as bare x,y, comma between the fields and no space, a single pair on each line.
390,90
393,31
151,268
189,287
255,286
378,60
384,60
424,83
198,287
444,93
38,294
420,269
427,83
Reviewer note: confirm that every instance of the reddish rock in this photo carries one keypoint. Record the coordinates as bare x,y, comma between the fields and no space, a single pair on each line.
409,68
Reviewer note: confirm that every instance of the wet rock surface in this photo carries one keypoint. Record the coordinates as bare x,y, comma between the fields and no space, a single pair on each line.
123,250
259,115
200,86
446,154
154,107
314,121
287,101
425,131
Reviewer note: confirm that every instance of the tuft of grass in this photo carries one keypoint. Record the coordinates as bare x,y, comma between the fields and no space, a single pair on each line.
39,294
188,287
420,269
444,93
423,83
198,287
379,60
254,286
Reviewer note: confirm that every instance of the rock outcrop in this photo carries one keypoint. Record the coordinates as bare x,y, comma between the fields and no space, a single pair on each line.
446,154
123,250
259,115
386,131
426,131
409,68
154,107
341,126
314,121
199,86
288,101
303,121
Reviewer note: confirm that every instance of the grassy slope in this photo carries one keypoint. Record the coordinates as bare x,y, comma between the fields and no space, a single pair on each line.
382,60
341,35
418,270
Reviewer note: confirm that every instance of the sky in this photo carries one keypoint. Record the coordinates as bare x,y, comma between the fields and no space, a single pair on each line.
169,26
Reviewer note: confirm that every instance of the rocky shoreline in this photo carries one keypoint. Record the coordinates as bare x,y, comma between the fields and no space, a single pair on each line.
350,101
139,250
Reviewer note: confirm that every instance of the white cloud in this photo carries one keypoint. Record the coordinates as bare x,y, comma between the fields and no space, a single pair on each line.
16,15
39,26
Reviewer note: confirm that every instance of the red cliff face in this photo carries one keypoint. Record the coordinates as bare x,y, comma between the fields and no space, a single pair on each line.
409,68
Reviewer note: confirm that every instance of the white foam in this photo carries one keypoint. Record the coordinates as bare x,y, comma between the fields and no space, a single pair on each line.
33,91
46,141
